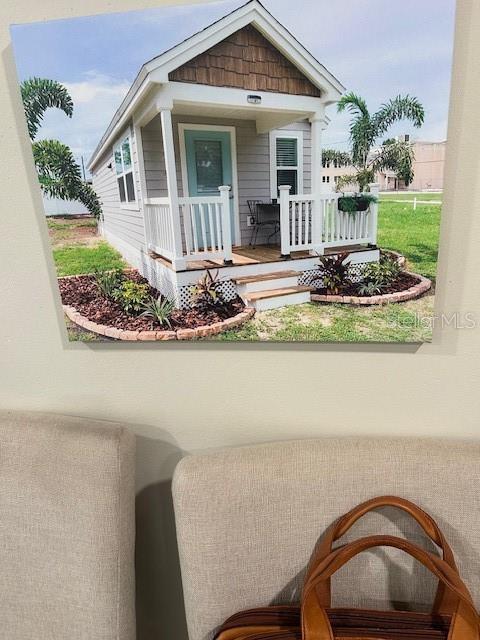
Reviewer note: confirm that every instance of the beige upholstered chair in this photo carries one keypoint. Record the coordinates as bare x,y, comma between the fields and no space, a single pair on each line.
66,529
248,518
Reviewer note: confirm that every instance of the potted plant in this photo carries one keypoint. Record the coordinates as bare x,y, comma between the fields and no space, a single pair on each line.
356,202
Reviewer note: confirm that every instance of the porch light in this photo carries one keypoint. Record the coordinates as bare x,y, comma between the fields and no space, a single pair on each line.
252,99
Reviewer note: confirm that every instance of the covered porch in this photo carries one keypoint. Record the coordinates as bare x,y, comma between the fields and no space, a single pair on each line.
194,220
260,255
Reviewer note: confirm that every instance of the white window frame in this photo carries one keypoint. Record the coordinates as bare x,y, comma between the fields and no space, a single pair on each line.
132,205
295,135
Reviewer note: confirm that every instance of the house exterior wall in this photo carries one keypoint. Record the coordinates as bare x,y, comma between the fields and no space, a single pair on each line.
253,162
122,227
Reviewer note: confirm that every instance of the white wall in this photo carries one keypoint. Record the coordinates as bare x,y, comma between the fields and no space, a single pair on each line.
249,393
59,207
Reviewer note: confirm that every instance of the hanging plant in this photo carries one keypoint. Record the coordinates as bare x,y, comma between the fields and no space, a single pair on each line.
355,203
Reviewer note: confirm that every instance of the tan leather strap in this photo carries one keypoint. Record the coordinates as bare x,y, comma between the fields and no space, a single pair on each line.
443,601
315,624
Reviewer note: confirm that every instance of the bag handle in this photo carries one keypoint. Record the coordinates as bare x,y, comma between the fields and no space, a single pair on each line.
443,603
315,623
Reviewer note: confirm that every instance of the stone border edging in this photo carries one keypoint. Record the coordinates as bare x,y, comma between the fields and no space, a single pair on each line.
158,336
400,296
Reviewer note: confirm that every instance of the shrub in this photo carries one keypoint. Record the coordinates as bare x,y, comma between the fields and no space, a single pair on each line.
335,273
369,289
377,276
108,281
159,309
207,294
131,296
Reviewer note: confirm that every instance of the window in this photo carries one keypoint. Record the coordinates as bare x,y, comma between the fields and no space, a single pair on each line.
286,157
209,165
124,170
326,179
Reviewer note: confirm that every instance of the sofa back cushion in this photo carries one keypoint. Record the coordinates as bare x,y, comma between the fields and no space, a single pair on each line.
248,520
66,529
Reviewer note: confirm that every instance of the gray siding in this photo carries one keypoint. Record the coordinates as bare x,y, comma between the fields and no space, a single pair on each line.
123,228
253,160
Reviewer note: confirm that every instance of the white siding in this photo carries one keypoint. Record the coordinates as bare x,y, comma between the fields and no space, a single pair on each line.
122,227
253,160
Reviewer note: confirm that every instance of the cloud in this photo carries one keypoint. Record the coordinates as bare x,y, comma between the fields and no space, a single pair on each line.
97,86
96,98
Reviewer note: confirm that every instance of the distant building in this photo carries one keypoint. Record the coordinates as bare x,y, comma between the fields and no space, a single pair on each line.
428,168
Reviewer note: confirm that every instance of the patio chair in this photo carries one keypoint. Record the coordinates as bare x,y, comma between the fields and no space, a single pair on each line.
261,222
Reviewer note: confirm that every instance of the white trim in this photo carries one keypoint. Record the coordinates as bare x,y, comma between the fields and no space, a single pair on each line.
156,71
191,276
298,136
198,94
185,126
137,136
128,134
251,13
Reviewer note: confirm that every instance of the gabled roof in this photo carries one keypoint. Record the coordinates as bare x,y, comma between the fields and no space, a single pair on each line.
253,12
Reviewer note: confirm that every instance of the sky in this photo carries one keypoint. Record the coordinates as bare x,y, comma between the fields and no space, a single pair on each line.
376,48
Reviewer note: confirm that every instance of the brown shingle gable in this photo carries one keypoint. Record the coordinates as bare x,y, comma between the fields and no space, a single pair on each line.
246,60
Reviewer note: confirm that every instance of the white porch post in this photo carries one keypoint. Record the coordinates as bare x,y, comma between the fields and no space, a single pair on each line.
171,171
226,224
374,190
318,124
285,220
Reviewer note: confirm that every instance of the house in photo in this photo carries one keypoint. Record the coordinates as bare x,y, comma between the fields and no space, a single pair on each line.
214,161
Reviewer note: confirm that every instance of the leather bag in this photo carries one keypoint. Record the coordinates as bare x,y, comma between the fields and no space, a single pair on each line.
453,615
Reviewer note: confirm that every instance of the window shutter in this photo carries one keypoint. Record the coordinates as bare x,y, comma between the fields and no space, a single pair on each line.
287,155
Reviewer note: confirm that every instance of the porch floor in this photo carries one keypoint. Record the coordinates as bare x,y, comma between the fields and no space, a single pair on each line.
261,254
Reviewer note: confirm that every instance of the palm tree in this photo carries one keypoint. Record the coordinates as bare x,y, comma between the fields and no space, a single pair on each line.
39,94
58,173
367,129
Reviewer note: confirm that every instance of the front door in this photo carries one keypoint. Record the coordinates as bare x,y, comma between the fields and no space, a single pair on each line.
209,166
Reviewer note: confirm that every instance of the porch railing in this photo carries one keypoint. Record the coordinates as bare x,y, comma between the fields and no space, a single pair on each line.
314,224
159,230
205,228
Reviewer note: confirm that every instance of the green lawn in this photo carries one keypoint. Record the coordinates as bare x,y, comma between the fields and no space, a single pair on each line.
424,197
414,234
76,259
340,323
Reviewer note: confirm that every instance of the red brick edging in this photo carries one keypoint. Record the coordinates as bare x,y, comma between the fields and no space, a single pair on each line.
417,290
154,336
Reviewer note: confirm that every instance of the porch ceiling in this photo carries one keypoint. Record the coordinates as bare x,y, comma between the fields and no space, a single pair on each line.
265,120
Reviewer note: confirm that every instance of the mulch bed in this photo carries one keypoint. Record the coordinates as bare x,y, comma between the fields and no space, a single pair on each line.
81,292
404,281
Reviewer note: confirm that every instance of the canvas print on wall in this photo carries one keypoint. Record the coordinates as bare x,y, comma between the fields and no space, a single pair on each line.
243,172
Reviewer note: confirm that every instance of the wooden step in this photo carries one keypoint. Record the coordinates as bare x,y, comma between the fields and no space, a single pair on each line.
265,277
275,293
